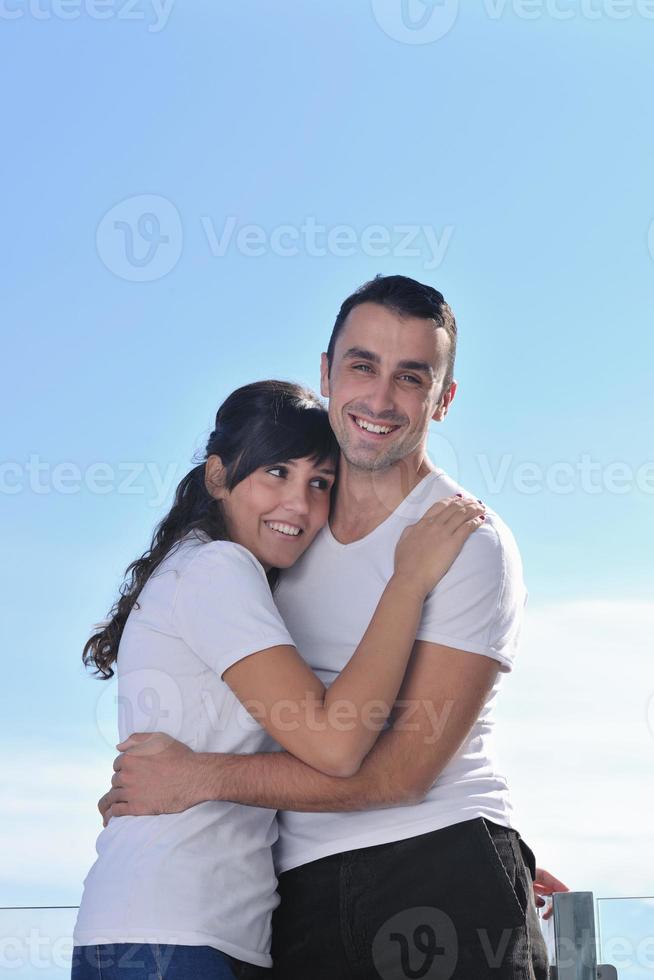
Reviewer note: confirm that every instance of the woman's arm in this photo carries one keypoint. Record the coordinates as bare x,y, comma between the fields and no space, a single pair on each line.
333,730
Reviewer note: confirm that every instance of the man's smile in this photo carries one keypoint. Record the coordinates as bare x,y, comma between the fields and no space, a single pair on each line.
374,430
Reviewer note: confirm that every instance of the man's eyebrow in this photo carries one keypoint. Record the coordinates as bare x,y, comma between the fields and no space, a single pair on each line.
423,366
366,355
353,353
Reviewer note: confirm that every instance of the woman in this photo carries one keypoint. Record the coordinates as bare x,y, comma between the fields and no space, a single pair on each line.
192,894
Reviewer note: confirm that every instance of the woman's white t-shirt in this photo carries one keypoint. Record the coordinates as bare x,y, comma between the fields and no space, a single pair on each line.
204,876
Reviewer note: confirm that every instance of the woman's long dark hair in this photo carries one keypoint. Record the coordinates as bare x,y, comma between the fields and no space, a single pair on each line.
257,425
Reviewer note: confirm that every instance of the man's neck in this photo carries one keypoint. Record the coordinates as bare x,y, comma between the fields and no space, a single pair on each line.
364,498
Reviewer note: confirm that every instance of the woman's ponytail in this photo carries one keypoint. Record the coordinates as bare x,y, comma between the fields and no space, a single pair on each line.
194,507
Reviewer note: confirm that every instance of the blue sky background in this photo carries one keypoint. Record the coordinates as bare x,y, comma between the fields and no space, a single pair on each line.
524,145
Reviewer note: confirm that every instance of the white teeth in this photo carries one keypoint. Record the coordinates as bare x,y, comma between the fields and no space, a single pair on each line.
283,528
379,429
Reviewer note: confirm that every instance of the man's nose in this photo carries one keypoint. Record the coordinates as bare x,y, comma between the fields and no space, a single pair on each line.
380,396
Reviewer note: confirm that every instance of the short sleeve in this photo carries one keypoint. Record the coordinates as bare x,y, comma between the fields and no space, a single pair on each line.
224,609
478,605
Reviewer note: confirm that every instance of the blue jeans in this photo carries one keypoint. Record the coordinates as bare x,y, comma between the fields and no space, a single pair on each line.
152,961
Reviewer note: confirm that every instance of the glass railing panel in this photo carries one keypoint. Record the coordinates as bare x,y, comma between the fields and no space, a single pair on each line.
625,936
36,943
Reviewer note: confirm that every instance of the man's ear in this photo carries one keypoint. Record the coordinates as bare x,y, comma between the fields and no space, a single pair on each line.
446,400
214,475
324,376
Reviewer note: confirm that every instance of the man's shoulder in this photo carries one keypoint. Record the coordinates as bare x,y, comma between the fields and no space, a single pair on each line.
484,588
494,548
493,544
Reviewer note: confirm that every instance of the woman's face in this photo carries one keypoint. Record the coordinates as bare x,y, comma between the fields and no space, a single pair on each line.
277,511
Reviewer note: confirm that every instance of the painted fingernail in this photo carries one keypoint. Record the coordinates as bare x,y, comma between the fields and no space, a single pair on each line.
459,495
483,517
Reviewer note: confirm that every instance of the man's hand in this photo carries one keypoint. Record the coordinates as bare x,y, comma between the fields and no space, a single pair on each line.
153,774
545,884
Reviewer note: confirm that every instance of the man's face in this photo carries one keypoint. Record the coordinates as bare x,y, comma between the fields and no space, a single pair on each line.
387,372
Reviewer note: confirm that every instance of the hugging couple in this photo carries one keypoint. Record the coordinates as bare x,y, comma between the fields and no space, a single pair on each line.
315,640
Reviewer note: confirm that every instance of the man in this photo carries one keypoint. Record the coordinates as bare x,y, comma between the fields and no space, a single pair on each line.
411,867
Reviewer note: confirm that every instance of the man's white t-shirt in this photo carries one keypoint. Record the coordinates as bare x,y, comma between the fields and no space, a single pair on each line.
204,876
327,600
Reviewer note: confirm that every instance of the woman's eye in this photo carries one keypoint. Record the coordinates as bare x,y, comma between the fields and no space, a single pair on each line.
323,484
276,469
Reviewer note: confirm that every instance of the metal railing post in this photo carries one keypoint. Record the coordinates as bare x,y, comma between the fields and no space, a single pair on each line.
575,947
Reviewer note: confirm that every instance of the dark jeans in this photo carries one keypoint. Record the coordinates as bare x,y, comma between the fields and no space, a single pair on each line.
454,904
153,961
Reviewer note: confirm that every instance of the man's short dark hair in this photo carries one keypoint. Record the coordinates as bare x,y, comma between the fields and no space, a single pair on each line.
405,297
